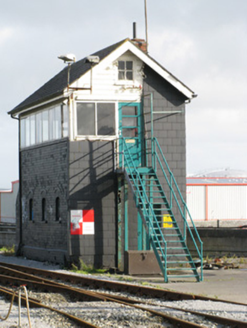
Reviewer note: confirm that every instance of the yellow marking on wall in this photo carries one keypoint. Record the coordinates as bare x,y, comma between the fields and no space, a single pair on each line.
166,220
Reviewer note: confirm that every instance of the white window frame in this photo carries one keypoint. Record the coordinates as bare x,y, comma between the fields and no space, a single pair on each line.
125,70
95,136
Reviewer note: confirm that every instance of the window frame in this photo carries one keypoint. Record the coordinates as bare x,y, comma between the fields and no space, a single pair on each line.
96,136
125,70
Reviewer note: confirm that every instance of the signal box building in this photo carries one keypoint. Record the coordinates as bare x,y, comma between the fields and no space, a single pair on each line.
103,164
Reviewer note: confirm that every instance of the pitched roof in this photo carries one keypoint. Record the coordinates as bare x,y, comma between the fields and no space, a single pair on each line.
58,83
56,86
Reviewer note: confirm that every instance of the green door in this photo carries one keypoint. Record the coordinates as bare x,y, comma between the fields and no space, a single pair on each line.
130,126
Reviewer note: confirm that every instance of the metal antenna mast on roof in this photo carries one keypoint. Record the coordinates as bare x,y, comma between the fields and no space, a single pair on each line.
146,23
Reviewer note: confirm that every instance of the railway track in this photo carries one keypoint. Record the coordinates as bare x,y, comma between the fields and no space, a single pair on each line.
69,284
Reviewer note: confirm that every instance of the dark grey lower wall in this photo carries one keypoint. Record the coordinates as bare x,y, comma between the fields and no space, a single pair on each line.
93,186
44,175
222,241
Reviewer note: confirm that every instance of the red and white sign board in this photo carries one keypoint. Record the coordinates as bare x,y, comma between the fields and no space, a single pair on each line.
82,222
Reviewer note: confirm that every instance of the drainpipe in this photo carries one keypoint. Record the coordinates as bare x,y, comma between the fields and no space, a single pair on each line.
18,251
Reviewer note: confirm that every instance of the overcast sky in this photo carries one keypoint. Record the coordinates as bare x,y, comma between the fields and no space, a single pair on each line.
202,42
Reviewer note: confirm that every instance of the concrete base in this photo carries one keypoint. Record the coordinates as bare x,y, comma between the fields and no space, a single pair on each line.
141,263
7,235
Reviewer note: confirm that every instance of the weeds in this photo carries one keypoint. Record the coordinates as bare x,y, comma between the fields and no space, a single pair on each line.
86,269
8,251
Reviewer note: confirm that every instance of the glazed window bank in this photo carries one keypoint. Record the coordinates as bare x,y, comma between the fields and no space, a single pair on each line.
103,163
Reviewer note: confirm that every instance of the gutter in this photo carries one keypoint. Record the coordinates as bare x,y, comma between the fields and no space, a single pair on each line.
13,113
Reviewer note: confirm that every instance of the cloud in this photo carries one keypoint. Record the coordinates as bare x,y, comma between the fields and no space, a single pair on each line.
5,34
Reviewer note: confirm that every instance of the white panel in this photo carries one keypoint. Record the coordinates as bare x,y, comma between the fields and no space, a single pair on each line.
105,83
227,202
196,202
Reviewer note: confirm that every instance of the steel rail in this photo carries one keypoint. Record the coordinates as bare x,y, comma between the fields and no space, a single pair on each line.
117,286
98,297
33,303
106,297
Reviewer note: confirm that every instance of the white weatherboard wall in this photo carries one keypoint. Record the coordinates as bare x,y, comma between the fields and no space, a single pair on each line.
216,205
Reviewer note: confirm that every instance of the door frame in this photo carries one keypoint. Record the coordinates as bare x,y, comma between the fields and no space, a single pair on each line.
140,136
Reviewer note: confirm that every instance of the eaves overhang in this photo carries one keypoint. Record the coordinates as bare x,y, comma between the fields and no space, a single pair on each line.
38,104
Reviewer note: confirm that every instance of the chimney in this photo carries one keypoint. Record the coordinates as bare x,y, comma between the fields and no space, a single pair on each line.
140,43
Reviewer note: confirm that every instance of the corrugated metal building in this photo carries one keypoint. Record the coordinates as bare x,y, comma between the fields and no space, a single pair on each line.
217,201
7,203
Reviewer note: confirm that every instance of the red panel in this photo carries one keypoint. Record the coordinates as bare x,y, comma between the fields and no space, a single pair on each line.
75,230
88,216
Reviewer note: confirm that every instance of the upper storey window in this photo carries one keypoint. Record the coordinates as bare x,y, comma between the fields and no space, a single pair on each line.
125,70
46,125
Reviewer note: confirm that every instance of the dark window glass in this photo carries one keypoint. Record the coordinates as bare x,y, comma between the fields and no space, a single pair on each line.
106,118
121,64
57,209
129,121
121,75
31,210
129,110
125,70
85,118
129,65
43,209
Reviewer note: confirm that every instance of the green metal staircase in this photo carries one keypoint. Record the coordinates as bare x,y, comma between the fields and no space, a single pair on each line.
164,212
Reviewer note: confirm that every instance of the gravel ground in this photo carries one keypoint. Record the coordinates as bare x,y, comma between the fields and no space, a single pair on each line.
107,314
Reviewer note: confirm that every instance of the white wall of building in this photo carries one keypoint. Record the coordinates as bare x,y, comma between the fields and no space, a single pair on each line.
8,204
210,203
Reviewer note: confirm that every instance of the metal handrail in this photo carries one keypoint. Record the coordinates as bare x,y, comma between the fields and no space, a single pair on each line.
171,182
140,194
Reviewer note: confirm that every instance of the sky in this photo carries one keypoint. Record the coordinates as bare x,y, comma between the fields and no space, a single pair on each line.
203,43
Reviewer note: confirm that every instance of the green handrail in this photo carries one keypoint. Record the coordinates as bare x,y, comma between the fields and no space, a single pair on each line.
147,208
172,182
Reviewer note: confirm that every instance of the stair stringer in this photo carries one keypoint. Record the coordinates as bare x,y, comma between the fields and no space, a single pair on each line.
160,251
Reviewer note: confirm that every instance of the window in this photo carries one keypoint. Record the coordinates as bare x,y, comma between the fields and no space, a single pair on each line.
86,118
57,209
31,210
44,210
125,70
96,119
47,125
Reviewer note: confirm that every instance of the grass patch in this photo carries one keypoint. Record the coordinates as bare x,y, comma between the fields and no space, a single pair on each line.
8,251
86,269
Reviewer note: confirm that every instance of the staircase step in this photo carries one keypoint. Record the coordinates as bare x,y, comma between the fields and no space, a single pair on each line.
182,276
179,262
178,255
176,248
179,269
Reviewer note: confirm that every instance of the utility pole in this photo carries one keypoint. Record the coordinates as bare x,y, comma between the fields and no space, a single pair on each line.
146,22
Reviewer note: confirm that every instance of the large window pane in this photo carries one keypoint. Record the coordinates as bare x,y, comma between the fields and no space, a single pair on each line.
38,127
57,122
32,129
106,118
45,125
85,118
27,131
23,132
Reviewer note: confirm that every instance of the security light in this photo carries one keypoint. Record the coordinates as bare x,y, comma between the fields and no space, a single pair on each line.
67,58
93,59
